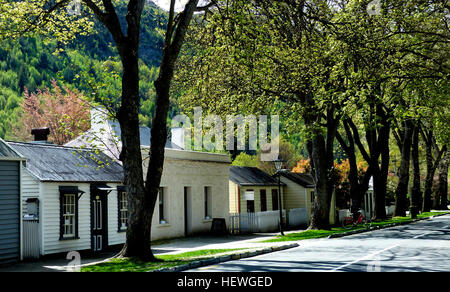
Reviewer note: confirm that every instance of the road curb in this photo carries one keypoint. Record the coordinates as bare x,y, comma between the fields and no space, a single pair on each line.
226,258
338,235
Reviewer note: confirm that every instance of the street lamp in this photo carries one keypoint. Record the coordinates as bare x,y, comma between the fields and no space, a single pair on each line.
278,165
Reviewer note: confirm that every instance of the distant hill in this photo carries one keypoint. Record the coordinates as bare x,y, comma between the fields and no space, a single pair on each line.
99,45
32,63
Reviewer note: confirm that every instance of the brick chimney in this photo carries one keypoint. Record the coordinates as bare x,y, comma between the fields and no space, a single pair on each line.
40,134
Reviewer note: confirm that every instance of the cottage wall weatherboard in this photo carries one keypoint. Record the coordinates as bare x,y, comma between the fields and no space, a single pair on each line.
9,211
10,219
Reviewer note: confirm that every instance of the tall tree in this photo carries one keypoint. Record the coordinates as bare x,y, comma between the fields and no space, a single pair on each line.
404,47
43,15
266,57
358,185
442,192
434,154
404,144
175,35
317,62
416,193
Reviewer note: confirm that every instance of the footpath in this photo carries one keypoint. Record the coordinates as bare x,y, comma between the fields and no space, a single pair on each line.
250,245
244,246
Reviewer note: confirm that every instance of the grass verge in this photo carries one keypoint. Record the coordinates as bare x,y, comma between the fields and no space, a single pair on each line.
167,261
310,234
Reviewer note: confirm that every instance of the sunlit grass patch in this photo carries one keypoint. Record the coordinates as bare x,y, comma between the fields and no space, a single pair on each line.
167,261
311,234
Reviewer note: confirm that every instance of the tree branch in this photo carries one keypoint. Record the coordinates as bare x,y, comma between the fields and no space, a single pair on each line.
206,7
357,140
44,15
109,19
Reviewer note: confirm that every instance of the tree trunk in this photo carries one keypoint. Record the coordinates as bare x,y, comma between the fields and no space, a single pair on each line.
402,187
357,188
380,182
355,193
140,215
443,181
378,140
416,194
175,36
143,197
432,165
323,185
426,207
379,190
320,148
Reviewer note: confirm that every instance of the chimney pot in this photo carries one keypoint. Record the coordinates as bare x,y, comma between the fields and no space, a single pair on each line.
40,134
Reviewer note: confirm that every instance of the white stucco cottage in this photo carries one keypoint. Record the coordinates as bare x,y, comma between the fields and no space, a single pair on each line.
194,185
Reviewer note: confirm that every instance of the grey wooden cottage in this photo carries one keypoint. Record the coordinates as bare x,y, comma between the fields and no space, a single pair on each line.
75,197
10,219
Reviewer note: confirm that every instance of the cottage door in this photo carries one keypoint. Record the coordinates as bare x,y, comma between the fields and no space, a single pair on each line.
99,220
187,211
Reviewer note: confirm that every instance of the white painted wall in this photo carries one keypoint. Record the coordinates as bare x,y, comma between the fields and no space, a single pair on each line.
30,188
49,196
195,170
181,169
50,219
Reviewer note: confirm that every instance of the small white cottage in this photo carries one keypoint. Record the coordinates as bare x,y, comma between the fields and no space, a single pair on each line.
194,185
193,192
299,196
74,198
252,190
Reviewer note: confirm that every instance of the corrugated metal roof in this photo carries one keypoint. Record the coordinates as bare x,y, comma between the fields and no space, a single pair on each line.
303,179
144,135
251,176
6,151
53,163
107,138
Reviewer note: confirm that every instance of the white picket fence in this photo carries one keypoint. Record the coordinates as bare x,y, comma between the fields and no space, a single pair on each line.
390,210
298,217
266,221
243,223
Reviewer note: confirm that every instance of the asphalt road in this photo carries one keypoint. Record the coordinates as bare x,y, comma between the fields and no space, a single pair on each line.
423,246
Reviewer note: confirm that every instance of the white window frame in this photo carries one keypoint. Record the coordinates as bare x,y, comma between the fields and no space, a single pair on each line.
123,210
162,205
207,200
69,213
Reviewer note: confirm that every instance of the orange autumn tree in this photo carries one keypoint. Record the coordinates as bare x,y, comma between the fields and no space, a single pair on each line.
65,112
303,166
